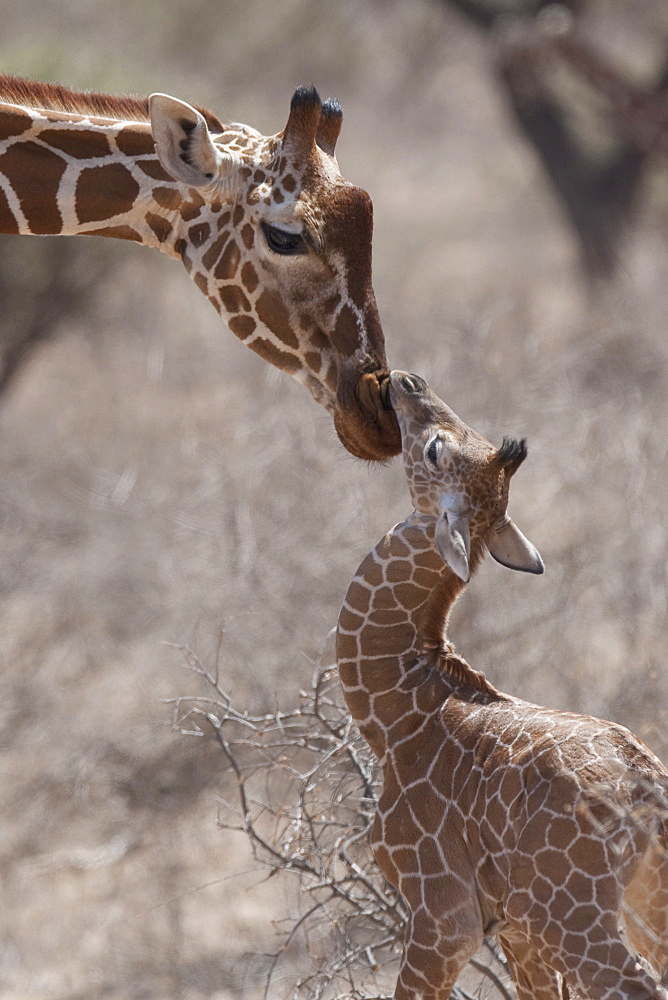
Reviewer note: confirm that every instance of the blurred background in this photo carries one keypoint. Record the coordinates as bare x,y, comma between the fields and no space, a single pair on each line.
161,486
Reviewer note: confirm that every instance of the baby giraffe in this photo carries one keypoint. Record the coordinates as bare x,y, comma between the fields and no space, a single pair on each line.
547,829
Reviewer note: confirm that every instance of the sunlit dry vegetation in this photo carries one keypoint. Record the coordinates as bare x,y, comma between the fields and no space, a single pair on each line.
162,488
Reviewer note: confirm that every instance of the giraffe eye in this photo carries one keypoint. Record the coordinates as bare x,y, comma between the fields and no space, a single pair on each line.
283,242
432,451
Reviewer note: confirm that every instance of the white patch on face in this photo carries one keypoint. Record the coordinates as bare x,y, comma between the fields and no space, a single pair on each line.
450,503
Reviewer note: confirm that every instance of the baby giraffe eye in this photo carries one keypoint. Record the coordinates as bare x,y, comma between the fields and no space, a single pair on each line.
432,451
283,242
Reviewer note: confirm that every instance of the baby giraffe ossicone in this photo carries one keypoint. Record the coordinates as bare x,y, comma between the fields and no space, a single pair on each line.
497,817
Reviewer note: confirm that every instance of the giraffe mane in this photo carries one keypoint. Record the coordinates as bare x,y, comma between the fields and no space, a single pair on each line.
460,672
433,640
55,97
463,673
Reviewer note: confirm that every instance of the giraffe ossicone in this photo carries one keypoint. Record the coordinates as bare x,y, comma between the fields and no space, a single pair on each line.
266,226
497,817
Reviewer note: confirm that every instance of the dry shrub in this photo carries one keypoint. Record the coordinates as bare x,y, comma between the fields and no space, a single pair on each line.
305,794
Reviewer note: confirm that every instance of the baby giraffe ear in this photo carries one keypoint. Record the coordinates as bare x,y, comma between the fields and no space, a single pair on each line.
510,548
453,541
184,145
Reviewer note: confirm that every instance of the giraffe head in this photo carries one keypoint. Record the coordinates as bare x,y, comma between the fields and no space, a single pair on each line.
458,477
281,245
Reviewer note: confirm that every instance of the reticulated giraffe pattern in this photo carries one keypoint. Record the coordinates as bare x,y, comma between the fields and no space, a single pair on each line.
266,226
544,828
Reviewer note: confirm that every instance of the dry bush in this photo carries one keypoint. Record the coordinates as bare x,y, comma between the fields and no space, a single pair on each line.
305,794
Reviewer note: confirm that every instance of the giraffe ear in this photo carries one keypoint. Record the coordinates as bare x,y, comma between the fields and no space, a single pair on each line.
183,143
510,548
453,541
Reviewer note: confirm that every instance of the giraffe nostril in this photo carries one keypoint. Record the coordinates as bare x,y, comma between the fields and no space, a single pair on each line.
413,383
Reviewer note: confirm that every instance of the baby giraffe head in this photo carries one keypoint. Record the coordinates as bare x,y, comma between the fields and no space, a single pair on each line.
458,477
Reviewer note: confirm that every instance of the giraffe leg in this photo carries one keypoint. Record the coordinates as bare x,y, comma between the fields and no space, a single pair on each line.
435,952
533,979
626,981
646,910
597,964
572,919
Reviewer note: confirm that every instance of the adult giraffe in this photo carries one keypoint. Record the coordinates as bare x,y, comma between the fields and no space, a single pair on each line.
266,226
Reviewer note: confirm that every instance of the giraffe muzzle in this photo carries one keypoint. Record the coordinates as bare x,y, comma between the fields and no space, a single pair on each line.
364,417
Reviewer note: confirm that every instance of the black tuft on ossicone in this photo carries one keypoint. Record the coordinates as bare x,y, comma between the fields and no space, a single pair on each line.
299,133
306,94
329,125
331,108
512,453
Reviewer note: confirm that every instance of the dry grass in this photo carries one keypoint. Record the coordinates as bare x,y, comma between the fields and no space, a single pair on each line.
159,482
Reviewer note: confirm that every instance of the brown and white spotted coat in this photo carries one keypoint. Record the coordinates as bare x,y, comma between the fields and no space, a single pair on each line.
266,226
545,828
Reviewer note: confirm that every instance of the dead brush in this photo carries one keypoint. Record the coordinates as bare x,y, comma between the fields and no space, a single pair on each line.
305,793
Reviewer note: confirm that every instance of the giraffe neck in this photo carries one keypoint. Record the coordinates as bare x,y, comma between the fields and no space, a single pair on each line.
77,173
395,662
83,175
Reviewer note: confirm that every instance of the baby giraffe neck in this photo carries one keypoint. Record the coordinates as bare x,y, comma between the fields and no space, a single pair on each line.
395,662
